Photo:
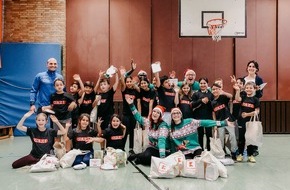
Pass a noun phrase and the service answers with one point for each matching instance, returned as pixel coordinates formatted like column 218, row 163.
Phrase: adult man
column 189, row 78
column 43, row 86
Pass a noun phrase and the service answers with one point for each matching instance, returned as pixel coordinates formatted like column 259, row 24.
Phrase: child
column 166, row 95
column 76, row 90
column 114, row 133
column 221, row 112
column 128, row 88
column 62, row 103
column 249, row 107
column 42, row 138
column 184, row 100
column 147, row 97
column 88, row 99
column 83, row 137
column 106, row 107
column 201, row 103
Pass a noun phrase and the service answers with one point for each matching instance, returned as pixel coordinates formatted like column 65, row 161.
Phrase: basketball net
column 214, row 27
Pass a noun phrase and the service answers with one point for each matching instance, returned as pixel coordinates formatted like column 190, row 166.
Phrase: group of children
column 176, row 115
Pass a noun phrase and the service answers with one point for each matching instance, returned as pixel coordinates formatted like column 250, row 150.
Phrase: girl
column 166, row 96
column 42, row 138
column 88, row 99
column 128, row 88
column 147, row 97
column 249, row 107
column 62, row 103
column 201, row 103
column 184, row 100
column 83, row 137
column 158, row 133
column 184, row 136
column 114, row 133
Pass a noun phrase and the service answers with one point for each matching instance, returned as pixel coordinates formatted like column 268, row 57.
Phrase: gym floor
column 272, row 171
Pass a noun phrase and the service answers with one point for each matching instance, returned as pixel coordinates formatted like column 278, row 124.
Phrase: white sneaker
column 80, row 166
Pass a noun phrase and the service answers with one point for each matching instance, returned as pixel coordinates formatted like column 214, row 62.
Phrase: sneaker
column 240, row 158
column 131, row 157
column 251, row 159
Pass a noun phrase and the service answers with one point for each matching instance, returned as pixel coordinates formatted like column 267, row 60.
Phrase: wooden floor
column 272, row 171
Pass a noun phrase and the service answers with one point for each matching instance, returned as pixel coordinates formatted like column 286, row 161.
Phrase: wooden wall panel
column 162, row 34
column 130, row 34
column 87, row 38
column 283, row 50
column 260, row 44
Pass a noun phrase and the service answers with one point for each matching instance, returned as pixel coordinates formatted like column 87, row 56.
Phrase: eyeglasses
column 175, row 113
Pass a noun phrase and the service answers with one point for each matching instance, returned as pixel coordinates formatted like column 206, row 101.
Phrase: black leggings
column 144, row 158
column 208, row 133
column 194, row 154
column 130, row 122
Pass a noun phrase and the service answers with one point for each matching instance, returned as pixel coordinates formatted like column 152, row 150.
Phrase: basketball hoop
column 214, row 26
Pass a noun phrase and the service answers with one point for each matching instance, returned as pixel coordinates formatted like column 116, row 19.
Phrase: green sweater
column 158, row 135
column 185, row 137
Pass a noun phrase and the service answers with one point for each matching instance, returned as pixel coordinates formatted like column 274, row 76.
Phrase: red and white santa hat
column 175, row 110
column 159, row 108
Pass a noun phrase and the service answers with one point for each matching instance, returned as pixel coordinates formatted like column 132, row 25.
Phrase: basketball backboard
column 194, row 14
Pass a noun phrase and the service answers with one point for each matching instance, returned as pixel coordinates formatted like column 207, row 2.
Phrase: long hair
column 117, row 116
column 181, row 94
column 152, row 124
column 78, row 129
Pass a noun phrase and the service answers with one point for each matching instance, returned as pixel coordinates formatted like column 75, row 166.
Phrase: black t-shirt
column 79, row 139
column 114, row 137
column 146, row 97
column 134, row 95
column 106, row 108
column 42, row 141
column 221, row 108
column 60, row 103
column 166, row 98
column 185, row 107
column 202, row 110
column 87, row 105
column 248, row 104
column 237, row 106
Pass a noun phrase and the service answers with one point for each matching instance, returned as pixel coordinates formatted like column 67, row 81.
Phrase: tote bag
column 138, row 138
column 254, row 131
column 216, row 147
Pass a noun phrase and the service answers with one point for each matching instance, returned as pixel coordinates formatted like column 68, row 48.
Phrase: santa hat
column 175, row 110
column 159, row 108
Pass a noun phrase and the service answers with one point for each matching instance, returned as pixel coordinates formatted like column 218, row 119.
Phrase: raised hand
column 129, row 99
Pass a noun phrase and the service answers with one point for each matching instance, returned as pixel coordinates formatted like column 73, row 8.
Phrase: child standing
column 83, row 137
column 114, row 133
column 249, row 107
column 62, row 103
column 221, row 112
column 184, row 100
column 42, row 138
column 76, row 90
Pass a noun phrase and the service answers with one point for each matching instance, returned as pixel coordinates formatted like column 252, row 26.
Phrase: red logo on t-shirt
column 248, row 105
column 82, row 139
column 116, row 138
column 41, row 141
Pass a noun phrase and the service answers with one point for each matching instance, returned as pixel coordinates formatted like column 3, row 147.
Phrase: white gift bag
column 189, row 169
column 138, row 139
column 216, row 147
column 254, row 132
column 163, row 168
column 68, row 159
column 211, row 172
column 45, row 164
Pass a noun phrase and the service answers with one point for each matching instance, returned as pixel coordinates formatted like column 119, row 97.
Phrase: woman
column 252, row 69
column 158, row 132
column 184, row 136
column 147, row 97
